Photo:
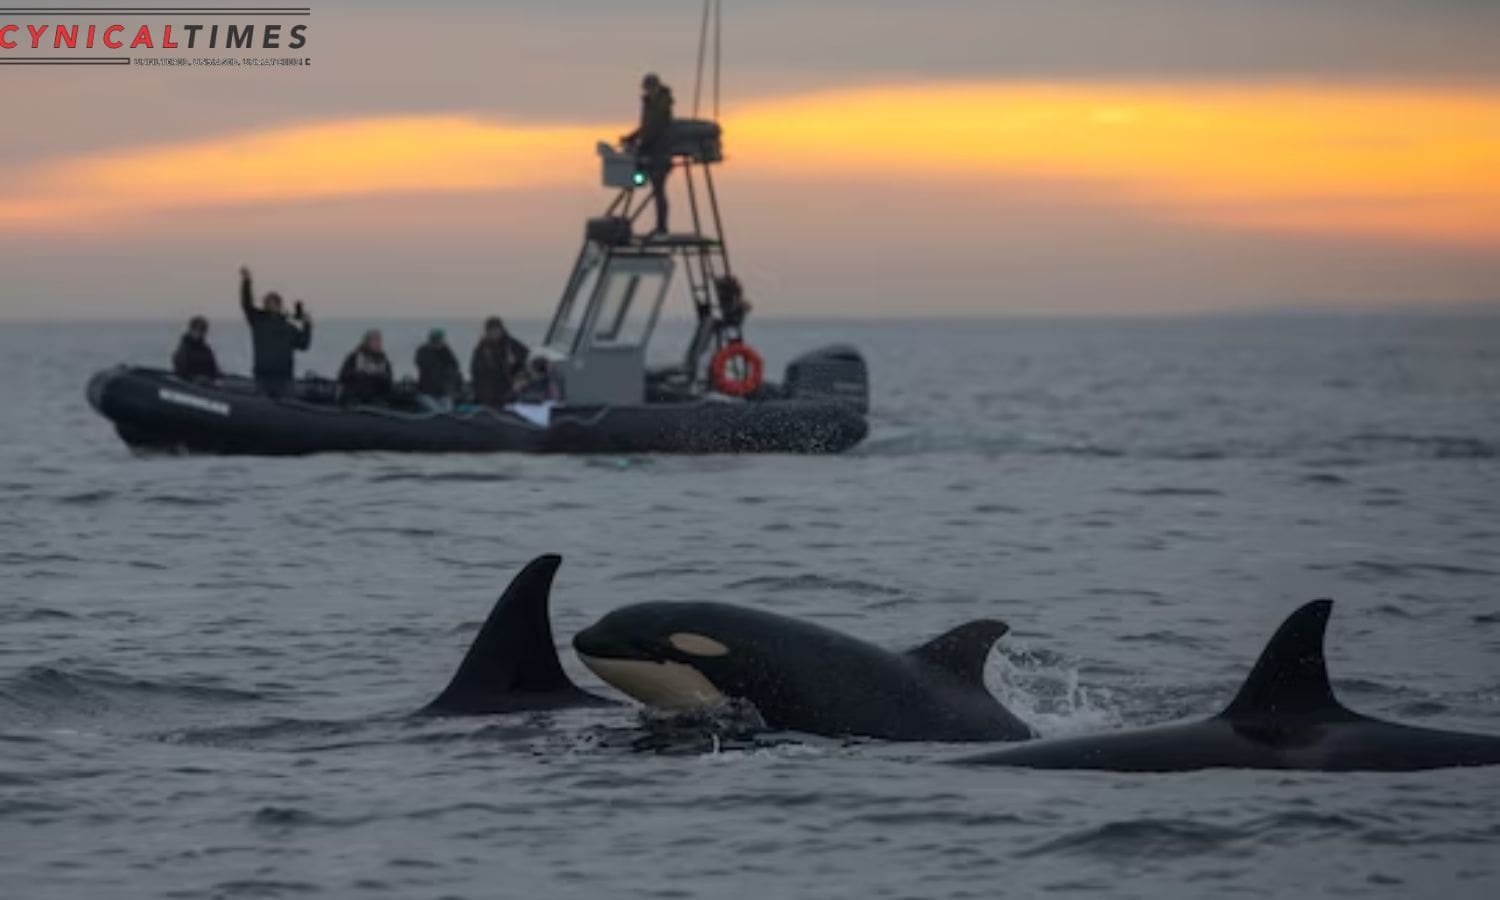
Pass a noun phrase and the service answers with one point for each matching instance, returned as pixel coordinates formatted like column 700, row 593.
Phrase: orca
column 512, row 666
column 1284, row 717
column 800, row 676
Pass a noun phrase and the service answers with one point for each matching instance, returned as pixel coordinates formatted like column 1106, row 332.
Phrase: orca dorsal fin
column 962, row 651
column 513, row 664
column 1291, row 676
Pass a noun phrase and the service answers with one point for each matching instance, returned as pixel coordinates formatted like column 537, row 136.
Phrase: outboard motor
column 836, row 372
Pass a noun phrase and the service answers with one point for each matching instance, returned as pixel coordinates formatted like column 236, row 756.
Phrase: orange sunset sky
column 970, row 157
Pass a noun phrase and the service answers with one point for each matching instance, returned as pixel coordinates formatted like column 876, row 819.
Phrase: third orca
column 1284, row 717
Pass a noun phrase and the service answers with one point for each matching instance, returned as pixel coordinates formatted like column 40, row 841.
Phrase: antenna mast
column 713, row 12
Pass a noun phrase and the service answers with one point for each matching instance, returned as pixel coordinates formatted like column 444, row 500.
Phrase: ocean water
column 207, row 665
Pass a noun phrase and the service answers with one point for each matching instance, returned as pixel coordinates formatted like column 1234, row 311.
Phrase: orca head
column 672, row 656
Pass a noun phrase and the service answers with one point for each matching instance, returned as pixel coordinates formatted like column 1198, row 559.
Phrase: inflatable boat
column 154, row 410
column 712, row 401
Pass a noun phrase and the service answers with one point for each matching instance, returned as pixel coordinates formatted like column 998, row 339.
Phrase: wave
column 290, row 818
column 53, row 690
column 86, row 498
column 460, row 477
column 925, row 442
column 1169, row 491
column 269, row 731
column 1169, row 638
column 17, row 558
column 184, row 500
column 1323, row 478
column 1163, row 839
column 397, row 530
column 813, row 582
column 1170, row 838
column 664, row 572
column 1370, row 570
column 260, row 888
column 1434, row 446
column 1346, row 451
column 12, row 616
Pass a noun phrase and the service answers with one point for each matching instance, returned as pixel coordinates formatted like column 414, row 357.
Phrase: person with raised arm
column 275, row 338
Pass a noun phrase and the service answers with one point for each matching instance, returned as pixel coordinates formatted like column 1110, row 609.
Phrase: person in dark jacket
column 438, row 376
column 652, row 142
column 498, row 361
column 365, row 376
column 194, row 359
column 275, row 337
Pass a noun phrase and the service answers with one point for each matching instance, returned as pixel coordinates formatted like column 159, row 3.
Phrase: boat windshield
column 627, row 309
column 563, row 334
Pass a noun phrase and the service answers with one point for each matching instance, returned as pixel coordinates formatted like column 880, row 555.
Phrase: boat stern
column 834, row 373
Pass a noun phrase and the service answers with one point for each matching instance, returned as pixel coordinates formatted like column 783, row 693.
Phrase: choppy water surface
column 206, row 664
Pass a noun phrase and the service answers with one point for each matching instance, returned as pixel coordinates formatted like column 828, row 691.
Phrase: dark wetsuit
column 438, row 374
column 495, row 368
column 194, row 359
column 275, row 339
column 653, row 146
column 365, row 377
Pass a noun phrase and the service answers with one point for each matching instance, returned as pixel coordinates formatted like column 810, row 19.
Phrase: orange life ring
column 754, row 370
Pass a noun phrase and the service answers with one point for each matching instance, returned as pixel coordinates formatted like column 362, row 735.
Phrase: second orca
column 800, row 676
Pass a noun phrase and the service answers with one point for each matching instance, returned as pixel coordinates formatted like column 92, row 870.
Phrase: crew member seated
column 194, row 358
column 498, row 362
column 365, row 376
column 438, row 376
column 275, row 338
column 541, row 384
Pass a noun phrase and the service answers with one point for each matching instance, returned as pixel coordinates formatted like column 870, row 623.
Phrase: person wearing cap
column 652, row 143
column 274, row 337
column 365, row 376
column 438, row 375
column 499, row 359
column 194, row 358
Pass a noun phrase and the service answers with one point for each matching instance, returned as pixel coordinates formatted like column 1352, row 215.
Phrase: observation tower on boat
column 613, row 297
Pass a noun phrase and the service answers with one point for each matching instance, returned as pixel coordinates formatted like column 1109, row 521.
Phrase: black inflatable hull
column 155, row 410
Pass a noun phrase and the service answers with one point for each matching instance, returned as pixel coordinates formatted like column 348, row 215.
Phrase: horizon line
column 1449, row 309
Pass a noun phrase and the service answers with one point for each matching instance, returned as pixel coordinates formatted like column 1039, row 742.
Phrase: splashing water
column 1044, row 691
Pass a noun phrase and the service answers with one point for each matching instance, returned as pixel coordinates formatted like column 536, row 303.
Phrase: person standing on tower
column 652, row 143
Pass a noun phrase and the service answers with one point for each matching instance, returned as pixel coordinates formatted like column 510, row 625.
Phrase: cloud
column 1413, row 164
column 388, row 155
column 534, row 60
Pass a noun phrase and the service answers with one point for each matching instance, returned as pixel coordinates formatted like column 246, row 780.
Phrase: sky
column 949, row 157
